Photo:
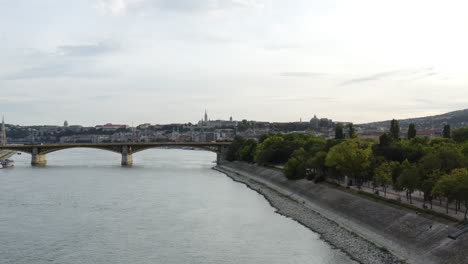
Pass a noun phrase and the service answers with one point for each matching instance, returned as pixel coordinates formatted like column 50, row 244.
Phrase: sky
column 162, row 61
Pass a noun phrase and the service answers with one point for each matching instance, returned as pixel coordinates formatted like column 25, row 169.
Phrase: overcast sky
column 159, row 61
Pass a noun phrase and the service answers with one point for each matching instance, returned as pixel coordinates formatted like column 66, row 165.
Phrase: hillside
column 455, row 119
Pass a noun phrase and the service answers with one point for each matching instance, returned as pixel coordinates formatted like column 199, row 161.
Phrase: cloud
column 400, row 75
column 65, row 61
column 301, row 74
column 85, row 50
column 58, row 70
column 197, row 5
column 117, row 7
column 279, row 47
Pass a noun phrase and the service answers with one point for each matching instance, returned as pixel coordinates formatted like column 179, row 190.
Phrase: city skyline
column 123, row 61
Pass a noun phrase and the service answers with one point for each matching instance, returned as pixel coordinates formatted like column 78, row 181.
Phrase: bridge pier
column 38, row 159
column 221, row 154
column 127, row 157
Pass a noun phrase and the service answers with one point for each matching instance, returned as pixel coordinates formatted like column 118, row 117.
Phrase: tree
column 444, row 158
column 395, row 129
column 409, row 179
column 247, row 152
column 411, row 131
column 427, row 185
column 446, row 132
column 462, row 191
column 351, row 157
column 383, row 176
column 460, row 135
column 295, row 168
column 446, row 187
column 339, row 134
column 233, row 150
column 385, row 139
column 277, row 148
column 317, row 164
column 351, row 131
column 268, row 150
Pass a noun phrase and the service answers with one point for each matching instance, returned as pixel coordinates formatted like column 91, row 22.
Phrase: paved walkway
column 417, row 200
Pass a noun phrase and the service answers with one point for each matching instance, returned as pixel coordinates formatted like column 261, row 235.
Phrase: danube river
column 170, row 207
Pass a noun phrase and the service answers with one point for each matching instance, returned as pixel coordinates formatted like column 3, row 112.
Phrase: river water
column 170, row 207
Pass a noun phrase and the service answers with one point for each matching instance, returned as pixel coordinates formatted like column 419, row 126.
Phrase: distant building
column 325, row 122
column 3, row 138
column 314, row 122
column 65, row 124
column 110, row 127
column 144, row 126
column 206, row 122
column 75, row 128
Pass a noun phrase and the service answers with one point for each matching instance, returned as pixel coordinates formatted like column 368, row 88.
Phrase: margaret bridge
column 38, row 152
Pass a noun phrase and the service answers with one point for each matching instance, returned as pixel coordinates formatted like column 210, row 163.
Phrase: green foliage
column 409, row 178
column 437, row 167
column 411, row 131
column 460, row 135
column 464, row 148
column 234, row 148
column 444, row 158
column 295, row 168
column 395, row 129
column 351, row 131
column 383, row 175
column 351, row 157
column 428, row 182
column 272, row 149
column 446, row 131
column 247, row 152
column 277, row 148
column 317, row 164
column 339, row 133
column 453, row 186
column 385, row 139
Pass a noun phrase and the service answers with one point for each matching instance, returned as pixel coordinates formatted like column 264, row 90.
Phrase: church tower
column 206, row 117
column 3, row 140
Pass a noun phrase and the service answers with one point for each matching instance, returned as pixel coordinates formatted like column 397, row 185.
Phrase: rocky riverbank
column 368, row 231
column 356, row 247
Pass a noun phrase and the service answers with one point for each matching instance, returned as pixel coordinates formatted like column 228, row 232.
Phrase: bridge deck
column 198, row 144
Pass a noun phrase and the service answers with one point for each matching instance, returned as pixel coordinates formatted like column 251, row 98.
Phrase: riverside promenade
column 417, row 200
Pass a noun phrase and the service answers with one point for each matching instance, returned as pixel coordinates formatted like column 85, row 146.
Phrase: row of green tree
column 437, row 167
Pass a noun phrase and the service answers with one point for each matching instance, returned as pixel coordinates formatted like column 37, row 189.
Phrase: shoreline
column 6, row 154
column 356, row 247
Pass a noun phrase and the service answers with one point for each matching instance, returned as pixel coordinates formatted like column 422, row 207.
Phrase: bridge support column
column 127, row 157
column 37, row 159
column 221, row 154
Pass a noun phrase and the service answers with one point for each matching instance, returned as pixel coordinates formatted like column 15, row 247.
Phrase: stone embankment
column 5, row 154
column 368, row 231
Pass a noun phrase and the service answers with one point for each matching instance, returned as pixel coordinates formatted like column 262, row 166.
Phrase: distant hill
column 455, row 119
